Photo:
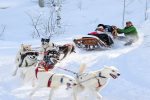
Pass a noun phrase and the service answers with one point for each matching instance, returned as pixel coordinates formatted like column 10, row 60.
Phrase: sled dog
column 95, row 81
column 25, row 57
column 53, row 81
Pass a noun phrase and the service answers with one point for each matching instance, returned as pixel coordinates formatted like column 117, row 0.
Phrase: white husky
column 53, row 81
column 25, row 57
column 96, row 80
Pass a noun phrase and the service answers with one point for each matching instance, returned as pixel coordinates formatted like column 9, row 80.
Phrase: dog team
column 42, row 62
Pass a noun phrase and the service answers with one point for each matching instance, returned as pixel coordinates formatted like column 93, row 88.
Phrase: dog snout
column 43, row 43
column 74, row 84
column 118, row 74
column 33, row 57
column 68, row 84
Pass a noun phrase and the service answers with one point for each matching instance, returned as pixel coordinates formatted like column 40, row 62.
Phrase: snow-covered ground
column 82, row 17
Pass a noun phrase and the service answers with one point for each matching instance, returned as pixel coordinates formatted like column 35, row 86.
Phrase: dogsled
column 97, row 39
column 92, row 42
column 104, row 35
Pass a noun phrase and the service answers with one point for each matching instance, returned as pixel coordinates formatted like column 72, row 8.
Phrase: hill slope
column 132, row 62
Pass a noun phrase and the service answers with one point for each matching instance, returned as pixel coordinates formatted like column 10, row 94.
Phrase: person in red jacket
column 101, row 34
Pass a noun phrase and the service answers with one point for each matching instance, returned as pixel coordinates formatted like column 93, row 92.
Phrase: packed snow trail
column 133, row 62
column 94, row 60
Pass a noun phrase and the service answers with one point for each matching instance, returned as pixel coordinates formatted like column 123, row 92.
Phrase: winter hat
column 101, row 25
column 128, row 22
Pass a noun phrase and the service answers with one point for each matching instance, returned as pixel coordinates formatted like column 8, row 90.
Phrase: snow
column 82, row 17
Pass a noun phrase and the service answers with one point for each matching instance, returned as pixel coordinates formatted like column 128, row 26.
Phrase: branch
column 3, row 30
column 35, row 24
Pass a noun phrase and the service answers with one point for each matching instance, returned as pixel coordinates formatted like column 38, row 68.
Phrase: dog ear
column 29, row 46
column 22, row 46
column 105, row 66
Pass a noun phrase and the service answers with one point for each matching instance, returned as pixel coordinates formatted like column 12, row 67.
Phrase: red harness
column 45, row 66
column 50, row 81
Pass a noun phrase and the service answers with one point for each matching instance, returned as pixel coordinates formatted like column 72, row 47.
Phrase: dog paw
column 31, row 94
column 22, row 76
column 14, row 74
column 99, row 97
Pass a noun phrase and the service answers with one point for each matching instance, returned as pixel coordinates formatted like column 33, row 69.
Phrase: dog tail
column 82, row 68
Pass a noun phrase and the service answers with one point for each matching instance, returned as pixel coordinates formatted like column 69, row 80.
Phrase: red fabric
column 49, row 83
column 48, row 66
column 43, row 64
column 36, row 71
column 92, row 33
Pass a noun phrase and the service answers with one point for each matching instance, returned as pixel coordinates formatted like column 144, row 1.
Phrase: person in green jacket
column 130, row 32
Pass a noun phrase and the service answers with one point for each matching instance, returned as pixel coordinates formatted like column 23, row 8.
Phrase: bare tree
column 51, row 23
column 2, row 30
column 41, row 3
column 80, row 4
column 124, row 10
column 146, row 9
column 35, row 23
column 44, row 26
column 40, row 28
column 55, row 7
column 126, row 3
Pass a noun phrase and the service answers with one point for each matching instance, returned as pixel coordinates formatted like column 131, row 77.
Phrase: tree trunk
column 146, row 8
column 41, row 3
column 124, row 10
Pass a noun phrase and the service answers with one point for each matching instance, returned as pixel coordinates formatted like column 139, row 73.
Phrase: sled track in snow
column 84, row 56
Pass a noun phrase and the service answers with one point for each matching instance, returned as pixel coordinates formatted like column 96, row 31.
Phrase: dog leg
column 15, row 71
column 51, row 93
column 33, row 82
column 34, row 90
column 74, row 94
column 22, row 74
column 96, row 94
column 99, row 96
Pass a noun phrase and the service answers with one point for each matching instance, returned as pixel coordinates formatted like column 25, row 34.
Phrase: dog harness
column 98, row 81
column 99, row 84
column 50, row 81
column 46, row 68
column 101, row 76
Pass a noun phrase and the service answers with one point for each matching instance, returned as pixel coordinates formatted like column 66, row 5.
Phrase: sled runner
column 90, row 43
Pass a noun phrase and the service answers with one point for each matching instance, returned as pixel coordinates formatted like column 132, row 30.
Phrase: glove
column 114, row 27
